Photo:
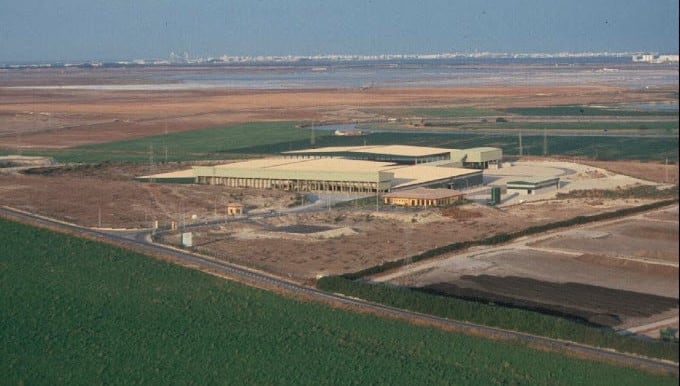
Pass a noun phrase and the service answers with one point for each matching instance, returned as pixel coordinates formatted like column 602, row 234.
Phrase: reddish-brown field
column 57, row 118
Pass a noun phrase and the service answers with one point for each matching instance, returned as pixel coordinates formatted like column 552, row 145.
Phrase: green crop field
column 210, row 143
column 267, row 138
column 596, row 147
column 74, row 311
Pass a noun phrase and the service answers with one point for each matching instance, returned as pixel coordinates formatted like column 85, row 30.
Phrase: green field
column 210, row 143
column 270, row 138
column 79, row 312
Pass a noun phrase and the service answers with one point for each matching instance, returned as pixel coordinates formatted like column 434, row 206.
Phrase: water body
column 385, row 74
column 651, row 106
column 496, row 72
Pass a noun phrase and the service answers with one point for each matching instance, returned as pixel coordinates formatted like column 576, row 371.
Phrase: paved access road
column 140, row 241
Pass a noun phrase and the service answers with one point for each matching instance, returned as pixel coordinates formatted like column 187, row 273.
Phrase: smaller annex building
column 533, row 185
column 423, row 197
column 478, row 157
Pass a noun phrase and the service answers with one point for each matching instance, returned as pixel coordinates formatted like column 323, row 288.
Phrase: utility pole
column 312, row 140
column 165, row 146
column 152, row 169
column 545, row 141
column 377, row 189
column 19, row 141
column 521, row 151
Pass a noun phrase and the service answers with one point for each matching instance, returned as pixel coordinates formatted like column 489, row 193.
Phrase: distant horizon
column 341, row 57
column 86, row 30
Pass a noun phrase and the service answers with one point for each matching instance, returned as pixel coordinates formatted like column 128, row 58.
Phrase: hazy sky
column 33, row 30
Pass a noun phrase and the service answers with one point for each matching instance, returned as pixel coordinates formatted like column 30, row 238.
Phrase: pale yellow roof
column 260, row 163
column 405, row 150
column 419, row 174
column 314, row 164
column 189, row 173
column 335, row 164
column 329, row 149
column 396, row 150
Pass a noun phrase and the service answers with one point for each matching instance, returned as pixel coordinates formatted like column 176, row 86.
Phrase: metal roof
column 393, row 150
column 335, row 169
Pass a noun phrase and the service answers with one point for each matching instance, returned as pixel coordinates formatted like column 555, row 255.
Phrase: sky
column 71, row 30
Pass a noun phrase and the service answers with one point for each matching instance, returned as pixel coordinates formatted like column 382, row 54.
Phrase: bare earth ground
column 623, row 273
column 364, row 238
column 57, row 118
column 655, row 172
column 107, row 196
column 359, row 237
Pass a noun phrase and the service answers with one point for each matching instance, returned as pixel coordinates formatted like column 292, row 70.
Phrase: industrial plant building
column 333, row 175
column 352, row 170
column 356, row 169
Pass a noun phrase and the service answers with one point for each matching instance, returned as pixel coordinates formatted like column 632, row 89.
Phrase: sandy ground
column 57, row 118
column 107, row 196
column 631, row 258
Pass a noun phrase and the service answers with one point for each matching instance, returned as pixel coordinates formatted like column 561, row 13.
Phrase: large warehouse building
column 478, row 157
column 357, row 169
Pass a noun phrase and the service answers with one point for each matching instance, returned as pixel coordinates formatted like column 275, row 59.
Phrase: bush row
column 642, row 191
column 491, row 315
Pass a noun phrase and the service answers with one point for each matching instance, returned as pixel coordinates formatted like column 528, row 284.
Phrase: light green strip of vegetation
column 211, row 143
column 255, row 139
column 576, row 110
column 79, row 312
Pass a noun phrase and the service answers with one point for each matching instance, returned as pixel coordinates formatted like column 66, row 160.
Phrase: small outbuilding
column 534, row 185
column 423, row 197
column 234, row 209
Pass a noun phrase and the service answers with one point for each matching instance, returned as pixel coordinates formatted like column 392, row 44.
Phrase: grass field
column 79, row 312
column 269, row 138
column 210, row 143
column 600, row 147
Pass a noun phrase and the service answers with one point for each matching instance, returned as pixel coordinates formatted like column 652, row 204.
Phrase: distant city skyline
column 79, row 30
